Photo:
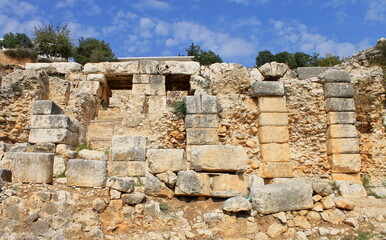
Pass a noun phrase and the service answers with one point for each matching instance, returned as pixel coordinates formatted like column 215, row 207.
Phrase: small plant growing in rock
column 82, row 146
column 164, row 208
column 180, row 107
column 139, row 182
column 61, row 175
column 366, row 180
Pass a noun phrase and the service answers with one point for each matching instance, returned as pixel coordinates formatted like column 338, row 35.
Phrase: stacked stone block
column 273, row 130
column 342, row 142
column 127, row 156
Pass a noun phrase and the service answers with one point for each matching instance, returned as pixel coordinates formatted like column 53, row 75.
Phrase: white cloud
column 376, row 11
column 249, row 22
column 154, row 4
column 65, row 3
column 79, row 30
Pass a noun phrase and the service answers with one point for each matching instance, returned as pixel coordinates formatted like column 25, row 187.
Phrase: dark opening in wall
column 120, row 82
column 177, row 82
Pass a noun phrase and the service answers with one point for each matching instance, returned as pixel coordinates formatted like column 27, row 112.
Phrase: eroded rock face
column 237, row 204
column 273, row 71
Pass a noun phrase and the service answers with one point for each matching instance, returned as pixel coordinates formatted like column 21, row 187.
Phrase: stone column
column 273, row 130
column 342, row 141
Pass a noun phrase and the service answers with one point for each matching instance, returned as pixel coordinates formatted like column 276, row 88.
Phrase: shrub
column 21, row 53
column 180, row 107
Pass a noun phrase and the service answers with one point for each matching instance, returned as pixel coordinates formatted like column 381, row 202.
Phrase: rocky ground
column 34, row 211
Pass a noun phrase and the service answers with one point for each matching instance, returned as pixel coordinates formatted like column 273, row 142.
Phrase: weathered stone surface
column 310, row 72
column 265, row 88
column 227, row 185
column 351, row 190
column 322, row 188
column 154, row 187
column 44, row 147
column 148, row 67
column 275, row 152
column 91, row 87
column 302, row 222
column 120, row 184
column 33, row 167
column 340, row 105
column 339, row 90
column 97, row 77
column 45, row 107
column 272, row 104
column 277, row 170
column 333, row 75
column 162, row 160
column 341, row 118
column 127, row 168
column 86, row 173
column 176, row 67
column 280, row 197
column 237, row 204
column 200, row 104
column 190, row 183
column 273, row 71
column 201, row 121
column 273, row 134
column 219, row 158
column 141, row 79
column 149, row 89
column 5, row 175
column 274, row 119
column 92, row 155
column 169, row 178
column 341, row 131
column 131, row 148
column 345, row 163
column 99, row 205
column 59, row 166
column 54, row 121
column 152, row 208
column 276, row 229
column 342, row 146
column 344, row 203
column 333, row 216
column 64, row 136
column 67, row 151
column 328, row 202
column 254, row 181
column 348, row 177
column 379, row 191
column 201, row 136
column 59, row 67
column 129, row 67
column 133, row 198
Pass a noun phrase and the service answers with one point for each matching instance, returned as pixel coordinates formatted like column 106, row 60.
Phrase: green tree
column 93, row 50
column 53, row 42
column 201, row 56
column 328, row 61
column 264, row 57
column 17, row 40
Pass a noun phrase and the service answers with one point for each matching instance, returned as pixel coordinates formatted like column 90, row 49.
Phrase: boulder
column 255, row 182
column 45, row 107
column 333, row 75
column 190, row 183
column 86, row 173
column 162, row 160
column 90, row 87
column 273, row 71
column 237, row 204
column 120, row 184
column 322, row 188
column 168, row 177
column 133, row 198
column 33, row 167
column 344, row 203
column 378, row 191
column 92, row 155
column 154, row 187
column 351, row 189
column 265, row 88
column 280, row 197
column 152, row 208
column 334, row 216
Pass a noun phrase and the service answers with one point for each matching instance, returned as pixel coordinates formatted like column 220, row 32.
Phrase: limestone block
column 340, row 105
column 273, row 134
column 97, row 77
column 273, row 119
column 157, row 79
column 190, row 183
column 141, row 79
column 45, row 107
column 162, row 160
column 193, row 104
column 154, row 187
column 339, row 90
column 59, row 135
column 273, row 71
column 341, row 118
column 348, row 177
column 54, row 121
column 59, row 165
column 177, row 67
column 120, row 184
column 273, row 198
column 130, row 67
column 201, row 121
column 131, row 148
column 265, row 88
column 345, row 163
column 90, row 68
column 91, row 87
column 333, row 75
column 351, row 189
column 219, row 158
column 275, row 152
column 272, row 104
column 277, row 170
column 208, row 104
column 148, row 67
column 227, row 185
column 201, row 136
column 156, row 105
column 44, row 147
column 149, row 89
column 341, row 131
column 33, row 167
column 66, row 151
column 256, row 74
column 92, row 155
column 342, row 146
column 237, row 204
column 126, row 168
column 310, row 72
column 59, row 67
column 86, row 173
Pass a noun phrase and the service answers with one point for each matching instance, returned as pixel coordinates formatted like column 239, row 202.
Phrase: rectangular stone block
column 126, row 168
column 157, row 79
column 179, row 67
column 97, row 77
column 340, row 105
column 139, row 89
column 341, row 118
column 201, row 121
column 190, row 183
column 45, row 107
column 163, row 160
column 209, row 104
column 267, row 88
column 342, row 146
column 33, row 167
column 273, row 134
column 310, row 72
column 347, row 177
column 273, row 119
column 156, row 105
column 91, row 87
column 275, row 152
column 272, row 104
column 128, row 154
column 54, row 121
column 148, row 67
column 129, row 141
column 63, row 136
column 290, row 196
column 136, row 169
column 339, row 90
column 219, row 158
column 201, row 136
column 86, row 173
column 149, row 89
column 341, row 131
column 129, row 67
column 345, row 163
column 193, row 105
column 141, row 79
column 227, row 185
column 277, row 170
column 333, row 75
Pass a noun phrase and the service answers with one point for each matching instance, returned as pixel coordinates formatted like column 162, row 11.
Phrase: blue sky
column 235, row 29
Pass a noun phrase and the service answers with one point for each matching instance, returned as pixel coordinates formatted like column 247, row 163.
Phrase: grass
column 360, row 236
column 139, row 182
column 366, row 180
column 61, row 175
column 82, row 146
column 164, row 208
column 333, row 184
column 180, row 107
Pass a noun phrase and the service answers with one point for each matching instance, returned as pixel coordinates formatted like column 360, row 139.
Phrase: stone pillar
column 342, row 141
column 273, row 130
